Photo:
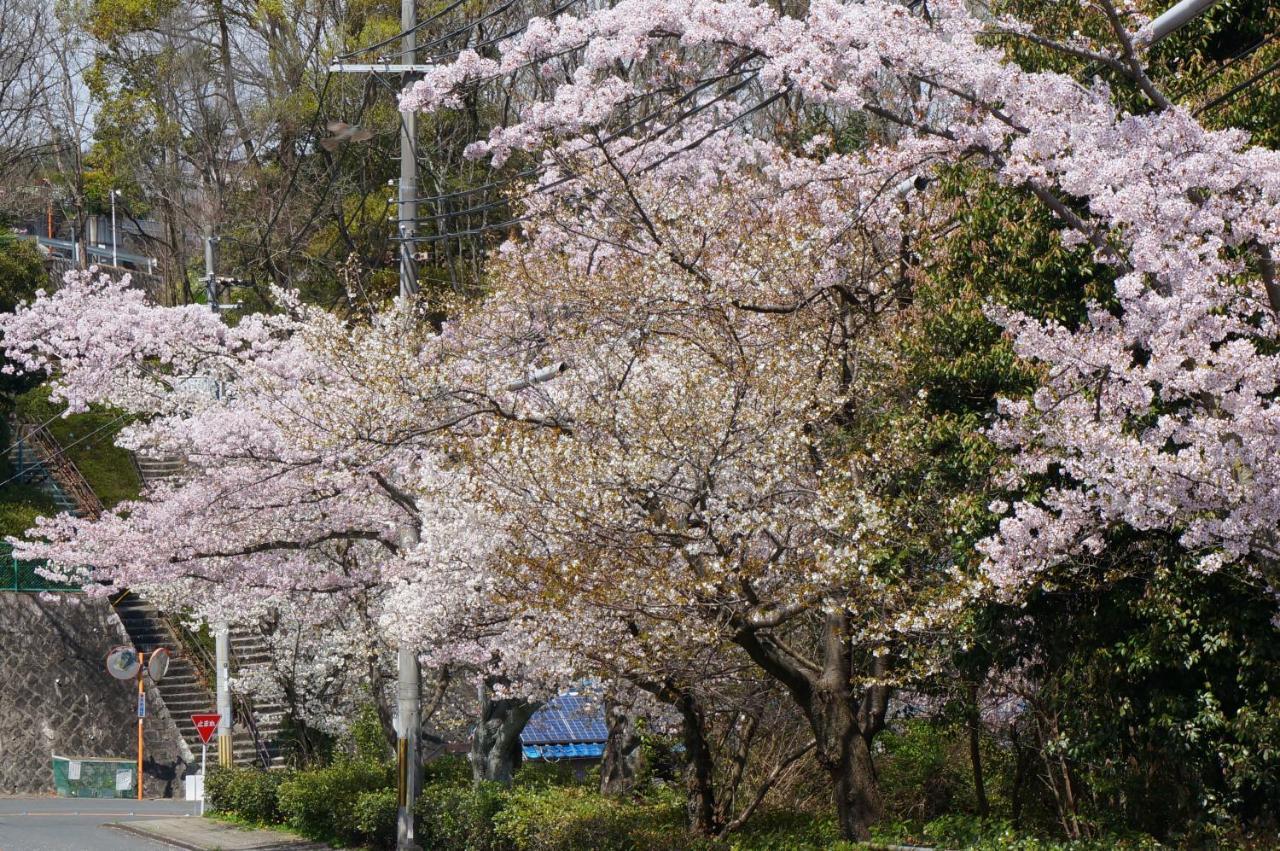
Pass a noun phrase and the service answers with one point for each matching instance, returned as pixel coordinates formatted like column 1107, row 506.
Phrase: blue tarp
column 594, row 750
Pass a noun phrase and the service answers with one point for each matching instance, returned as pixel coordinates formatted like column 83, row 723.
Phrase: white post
column 204, row 761
column 1175, row 17
column 408, row 704
column 222, row 643
column 210, row 270
column 115, row 260
column 407, row 208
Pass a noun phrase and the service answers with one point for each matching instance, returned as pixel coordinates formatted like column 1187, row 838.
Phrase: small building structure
column 570, row 726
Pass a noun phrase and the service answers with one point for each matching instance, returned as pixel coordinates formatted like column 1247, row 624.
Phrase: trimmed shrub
column 246, row 793
column 454, row 817
column 567, row 818
column 322, row 804
column 376, row 817
column 450, row 768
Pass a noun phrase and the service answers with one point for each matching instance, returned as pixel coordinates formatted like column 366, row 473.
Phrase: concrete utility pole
column 407, row 208
column 408, row 755
column 115, row 240
column 221, row 632
column 222, row 662
column 1177, row 15
column 408, row 684
column 407, row 192
column 211, row 270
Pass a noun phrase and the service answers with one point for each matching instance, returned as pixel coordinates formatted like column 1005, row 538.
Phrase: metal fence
column 94, row 777
column 19, row 575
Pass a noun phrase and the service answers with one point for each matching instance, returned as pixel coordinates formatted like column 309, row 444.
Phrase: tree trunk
column 495, row 745
column 700, row 782
column 975, row 754
column 824, row 692
column 843, row 753
column 623, row 755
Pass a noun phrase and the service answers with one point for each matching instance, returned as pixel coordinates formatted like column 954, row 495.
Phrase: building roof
column 568, row 719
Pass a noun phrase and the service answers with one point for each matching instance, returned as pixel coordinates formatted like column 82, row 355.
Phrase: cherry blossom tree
column 299, row 484
column 629, row 456
column 1185, row 215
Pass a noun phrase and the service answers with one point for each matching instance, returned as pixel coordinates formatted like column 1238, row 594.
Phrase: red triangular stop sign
column 206, row 725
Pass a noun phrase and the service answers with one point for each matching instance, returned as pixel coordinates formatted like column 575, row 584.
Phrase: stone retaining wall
column 57, row 697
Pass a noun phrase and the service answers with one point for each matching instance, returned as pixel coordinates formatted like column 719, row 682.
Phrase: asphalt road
column 76, row 824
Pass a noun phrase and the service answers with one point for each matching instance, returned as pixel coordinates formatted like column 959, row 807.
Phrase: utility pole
column 408, row 675
column 222, row 662
column 115, row 260
column 407, row 191
column 407, row 208
column 408, row 756
column 211, row 270
column 1176, row 16
column 221, row 632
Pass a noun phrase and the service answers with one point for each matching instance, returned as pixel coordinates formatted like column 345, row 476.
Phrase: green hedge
column 245, row 793
column 327, row 803
column 353, row 803
column 565, row 818
column 459, row 817
column 350, row 803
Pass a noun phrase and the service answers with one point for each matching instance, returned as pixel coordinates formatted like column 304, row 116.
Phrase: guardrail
column 63, row 470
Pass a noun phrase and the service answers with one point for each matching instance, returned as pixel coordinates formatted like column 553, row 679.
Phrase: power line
column 1232, row 93
column 398, row 36
column 71, row 445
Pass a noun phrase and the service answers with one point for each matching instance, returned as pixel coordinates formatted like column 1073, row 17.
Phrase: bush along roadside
column 352, row 803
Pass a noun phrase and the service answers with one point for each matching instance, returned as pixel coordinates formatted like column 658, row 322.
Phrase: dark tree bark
column 700, row 796
column 700, row 783
column 495, row 745
column 975, row 754
column 623, row 755
column 824, row 692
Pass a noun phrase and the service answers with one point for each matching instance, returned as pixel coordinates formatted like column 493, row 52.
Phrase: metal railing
column 206, row 672
column 61, row 468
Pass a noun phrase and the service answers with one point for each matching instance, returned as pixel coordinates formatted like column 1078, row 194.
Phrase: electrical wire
column 1235, row 91
column 389, row 39
column 1201, row 83
column 71, row 445
column 614, row 136
column 44, row 424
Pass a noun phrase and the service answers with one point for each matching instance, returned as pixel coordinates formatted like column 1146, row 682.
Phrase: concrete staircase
column 187, row 689
column 36, row 438
column 248, row 650
column 30, row 468
column 152, row 469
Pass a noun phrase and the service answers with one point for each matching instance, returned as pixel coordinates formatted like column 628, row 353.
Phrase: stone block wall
column 57, row 697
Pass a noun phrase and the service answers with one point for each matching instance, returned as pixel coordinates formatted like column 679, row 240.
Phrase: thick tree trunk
column 843, row 753
column 700, row 782
column 495, row 745
column 623, row 755
column 824, row 693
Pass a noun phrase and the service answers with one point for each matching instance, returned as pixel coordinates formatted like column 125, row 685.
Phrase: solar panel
column 569, row 718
